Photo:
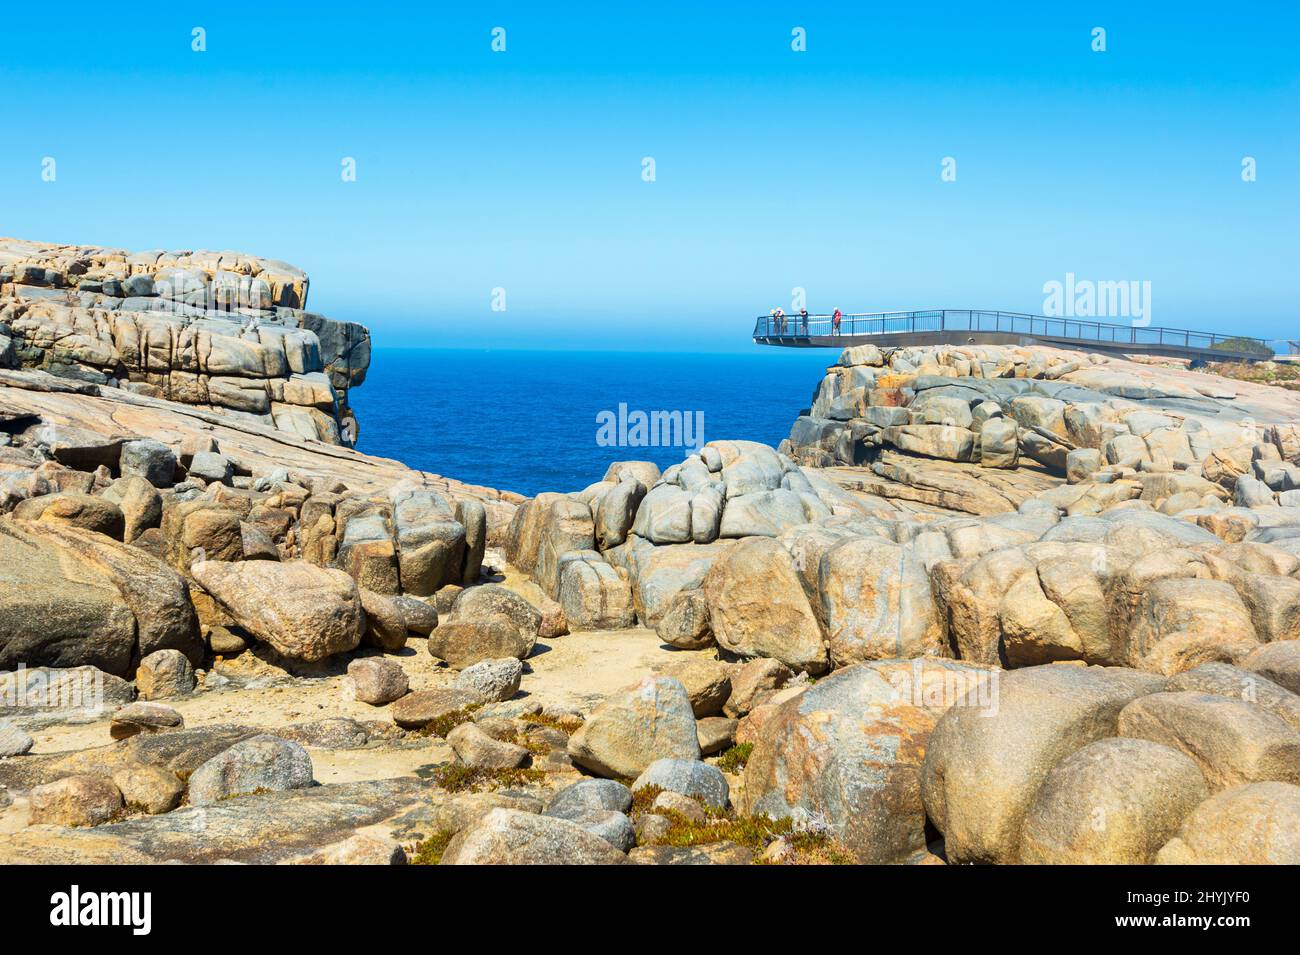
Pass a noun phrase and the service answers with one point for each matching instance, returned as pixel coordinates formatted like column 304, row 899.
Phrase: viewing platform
column 960, row 326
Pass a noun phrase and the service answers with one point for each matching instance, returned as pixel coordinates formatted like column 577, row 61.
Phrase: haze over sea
column 526, row 421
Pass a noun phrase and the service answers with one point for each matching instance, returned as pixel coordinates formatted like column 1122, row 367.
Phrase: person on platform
column 835, row 321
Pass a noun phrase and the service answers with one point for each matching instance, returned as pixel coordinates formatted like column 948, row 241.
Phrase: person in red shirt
column 835, row 322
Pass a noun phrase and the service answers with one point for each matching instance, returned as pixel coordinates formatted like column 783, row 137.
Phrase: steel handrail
column 797, row 327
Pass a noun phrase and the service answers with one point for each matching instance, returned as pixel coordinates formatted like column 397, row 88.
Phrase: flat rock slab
column 255, row 829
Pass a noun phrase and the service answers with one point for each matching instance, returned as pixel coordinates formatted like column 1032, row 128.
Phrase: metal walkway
column 960, row 326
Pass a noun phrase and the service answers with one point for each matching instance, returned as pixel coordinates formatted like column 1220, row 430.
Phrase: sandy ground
column 577, row 671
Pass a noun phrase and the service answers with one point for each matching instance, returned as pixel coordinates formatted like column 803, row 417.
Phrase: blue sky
column 774, row 169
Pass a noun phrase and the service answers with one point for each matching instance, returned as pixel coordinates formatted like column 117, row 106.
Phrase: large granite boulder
column 83, row 511
column 486, row 622
column 984, row 764
column 758, row 607
column 430, row 541
column 1255, row 824
column 846, row 755
column 1279, row 662
column 647, row 721
column 877, row 603
column 259, row 764
column 71, row 597
column 594, row 594
column 658, row 574
column 303, row 611
column 511, row 837
column 1114, row 802
column 1232, row 741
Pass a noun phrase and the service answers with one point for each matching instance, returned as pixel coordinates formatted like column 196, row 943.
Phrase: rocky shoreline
column 978, row 600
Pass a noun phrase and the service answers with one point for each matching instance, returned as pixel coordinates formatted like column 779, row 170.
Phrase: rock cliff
column 216, row 329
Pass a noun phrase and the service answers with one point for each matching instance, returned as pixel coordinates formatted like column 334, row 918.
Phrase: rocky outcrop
column 217, row 329
column 993, row 594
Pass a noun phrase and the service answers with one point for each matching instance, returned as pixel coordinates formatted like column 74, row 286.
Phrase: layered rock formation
column 217, row 329
column 111, row 502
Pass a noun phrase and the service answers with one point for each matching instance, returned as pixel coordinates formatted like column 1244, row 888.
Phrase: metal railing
column 795, row 328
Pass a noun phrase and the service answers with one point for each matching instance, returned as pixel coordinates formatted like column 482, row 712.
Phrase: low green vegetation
column 755, row 833
column 734, row 759
column 449, row 721
column 429, row 852
column 1239, row 344
column 459, row 778
column 1283, row 374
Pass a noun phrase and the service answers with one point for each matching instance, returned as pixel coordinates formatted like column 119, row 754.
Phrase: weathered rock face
column 1114, row 802
column 217, row 329
column 846, row 755
column 81, row 800
column 633, row 728
column 1118, row 430
column 70, row 597
column 877, row 603
column 594, row 594
column 254, row 765
column 486, row 623
column 1256, row 824
column 377, row 681
column 757, row 607
column 419, row 709
column 304, row 612
column 1232, row 741
column 510, row 837
column 984, row 764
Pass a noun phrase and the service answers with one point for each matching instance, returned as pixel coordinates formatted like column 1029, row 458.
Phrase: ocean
column 532, row 421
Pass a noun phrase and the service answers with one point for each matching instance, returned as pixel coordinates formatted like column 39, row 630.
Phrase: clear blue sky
column 775, row 169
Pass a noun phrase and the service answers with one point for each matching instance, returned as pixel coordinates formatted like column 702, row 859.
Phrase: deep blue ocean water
column 526, row 421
